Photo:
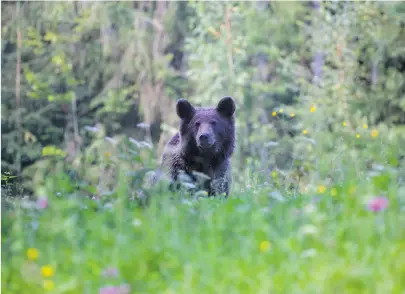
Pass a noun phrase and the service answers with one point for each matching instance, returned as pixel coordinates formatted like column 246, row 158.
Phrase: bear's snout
column 205, row 136
column 206, row 140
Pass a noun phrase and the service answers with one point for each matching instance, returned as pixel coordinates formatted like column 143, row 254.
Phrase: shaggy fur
column 204, row 144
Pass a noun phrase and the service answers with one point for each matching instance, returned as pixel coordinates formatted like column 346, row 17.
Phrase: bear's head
column 210, row 130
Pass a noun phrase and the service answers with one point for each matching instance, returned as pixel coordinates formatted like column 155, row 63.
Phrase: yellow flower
column 305, row 132
column 365, row 126
column 357, row 136
column 374, row 133
column 292, row 114
column 312, row 108
column 264, row 246
column 344, row 124
column 321, row 189
column 47, row 271
column 274, row 113
column 281, row 110
column 48, row 285
column 32, row 254
column 333, row 192
column 214, row 32
column 352, row 190
column 107, row 154
column 274, row 174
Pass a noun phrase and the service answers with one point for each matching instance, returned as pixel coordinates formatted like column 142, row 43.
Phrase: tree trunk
column 17, row 90
column 317, row 59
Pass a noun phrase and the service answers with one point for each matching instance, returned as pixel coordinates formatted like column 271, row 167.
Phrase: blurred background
column 88, row 87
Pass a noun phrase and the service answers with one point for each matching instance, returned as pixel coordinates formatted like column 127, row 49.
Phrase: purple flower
column 42, row 202
column 122, row 289
column 111, row 272
column 108, row 290
column 378, row 204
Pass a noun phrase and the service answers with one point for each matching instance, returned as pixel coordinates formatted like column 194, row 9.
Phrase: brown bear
column 204, row 144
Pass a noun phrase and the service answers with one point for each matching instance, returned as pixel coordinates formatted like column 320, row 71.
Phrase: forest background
column 313, row 81
column 88, row 94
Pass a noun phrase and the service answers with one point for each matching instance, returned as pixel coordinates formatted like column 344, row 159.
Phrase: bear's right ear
column 226, row 106
column 184, row 109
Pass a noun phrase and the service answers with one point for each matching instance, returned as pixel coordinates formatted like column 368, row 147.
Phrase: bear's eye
column 213, row 123
column 197, row 124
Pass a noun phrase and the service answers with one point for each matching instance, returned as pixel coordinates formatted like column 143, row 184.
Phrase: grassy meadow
column 336, row 239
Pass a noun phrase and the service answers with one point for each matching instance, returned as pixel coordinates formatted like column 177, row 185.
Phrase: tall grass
column 326, row 241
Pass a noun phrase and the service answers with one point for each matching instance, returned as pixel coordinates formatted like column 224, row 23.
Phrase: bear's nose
column 204, row 138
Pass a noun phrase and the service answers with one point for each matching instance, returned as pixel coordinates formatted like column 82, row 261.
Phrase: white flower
column 136, row 222
column 308, row 229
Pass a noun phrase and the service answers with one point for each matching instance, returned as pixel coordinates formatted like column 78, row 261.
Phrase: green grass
column 331, row 245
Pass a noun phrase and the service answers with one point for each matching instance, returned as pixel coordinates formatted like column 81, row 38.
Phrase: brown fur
column 204, row 144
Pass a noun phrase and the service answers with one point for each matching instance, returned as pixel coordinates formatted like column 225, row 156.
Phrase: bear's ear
column 184, row 109
column 226, row 106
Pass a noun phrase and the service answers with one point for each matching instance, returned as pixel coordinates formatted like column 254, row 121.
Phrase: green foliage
column 120, row 64
column 94, row 172
column 246, row 244
column 320, row 92
column 80, row 66
column 348, row 112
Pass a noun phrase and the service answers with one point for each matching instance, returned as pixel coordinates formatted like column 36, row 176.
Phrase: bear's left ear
column 226, row 106
column 184, row 109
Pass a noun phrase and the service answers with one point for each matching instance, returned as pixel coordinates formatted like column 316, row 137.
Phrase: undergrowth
column 331, row 240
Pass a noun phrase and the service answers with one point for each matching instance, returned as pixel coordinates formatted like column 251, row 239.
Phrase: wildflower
column 374, row 133
column 333, row 192
column 274, row 174
column 305, row 132
column 321, row 189
column 47, row 271
column 107, row 154
column 357, row 136
column 143, row 125
column 214, row 32
column 30, row 272
column 92, row 129
column 313, row 108
column 111, row 140
column 310, row 208
column 316, row 199
column 378, row 204
column 308, row 229
column 32, row 254
column 292, row 114
column 352, row 190
column 48, row 285
column 274, row 113
column 136, row 222
column 309, row 253
column 42, row 202
column 122, row 289
column 265, row 246
column 344, row 124
column 111, row 272
column 281, row 110
column 365, row 126
column 108, row 290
